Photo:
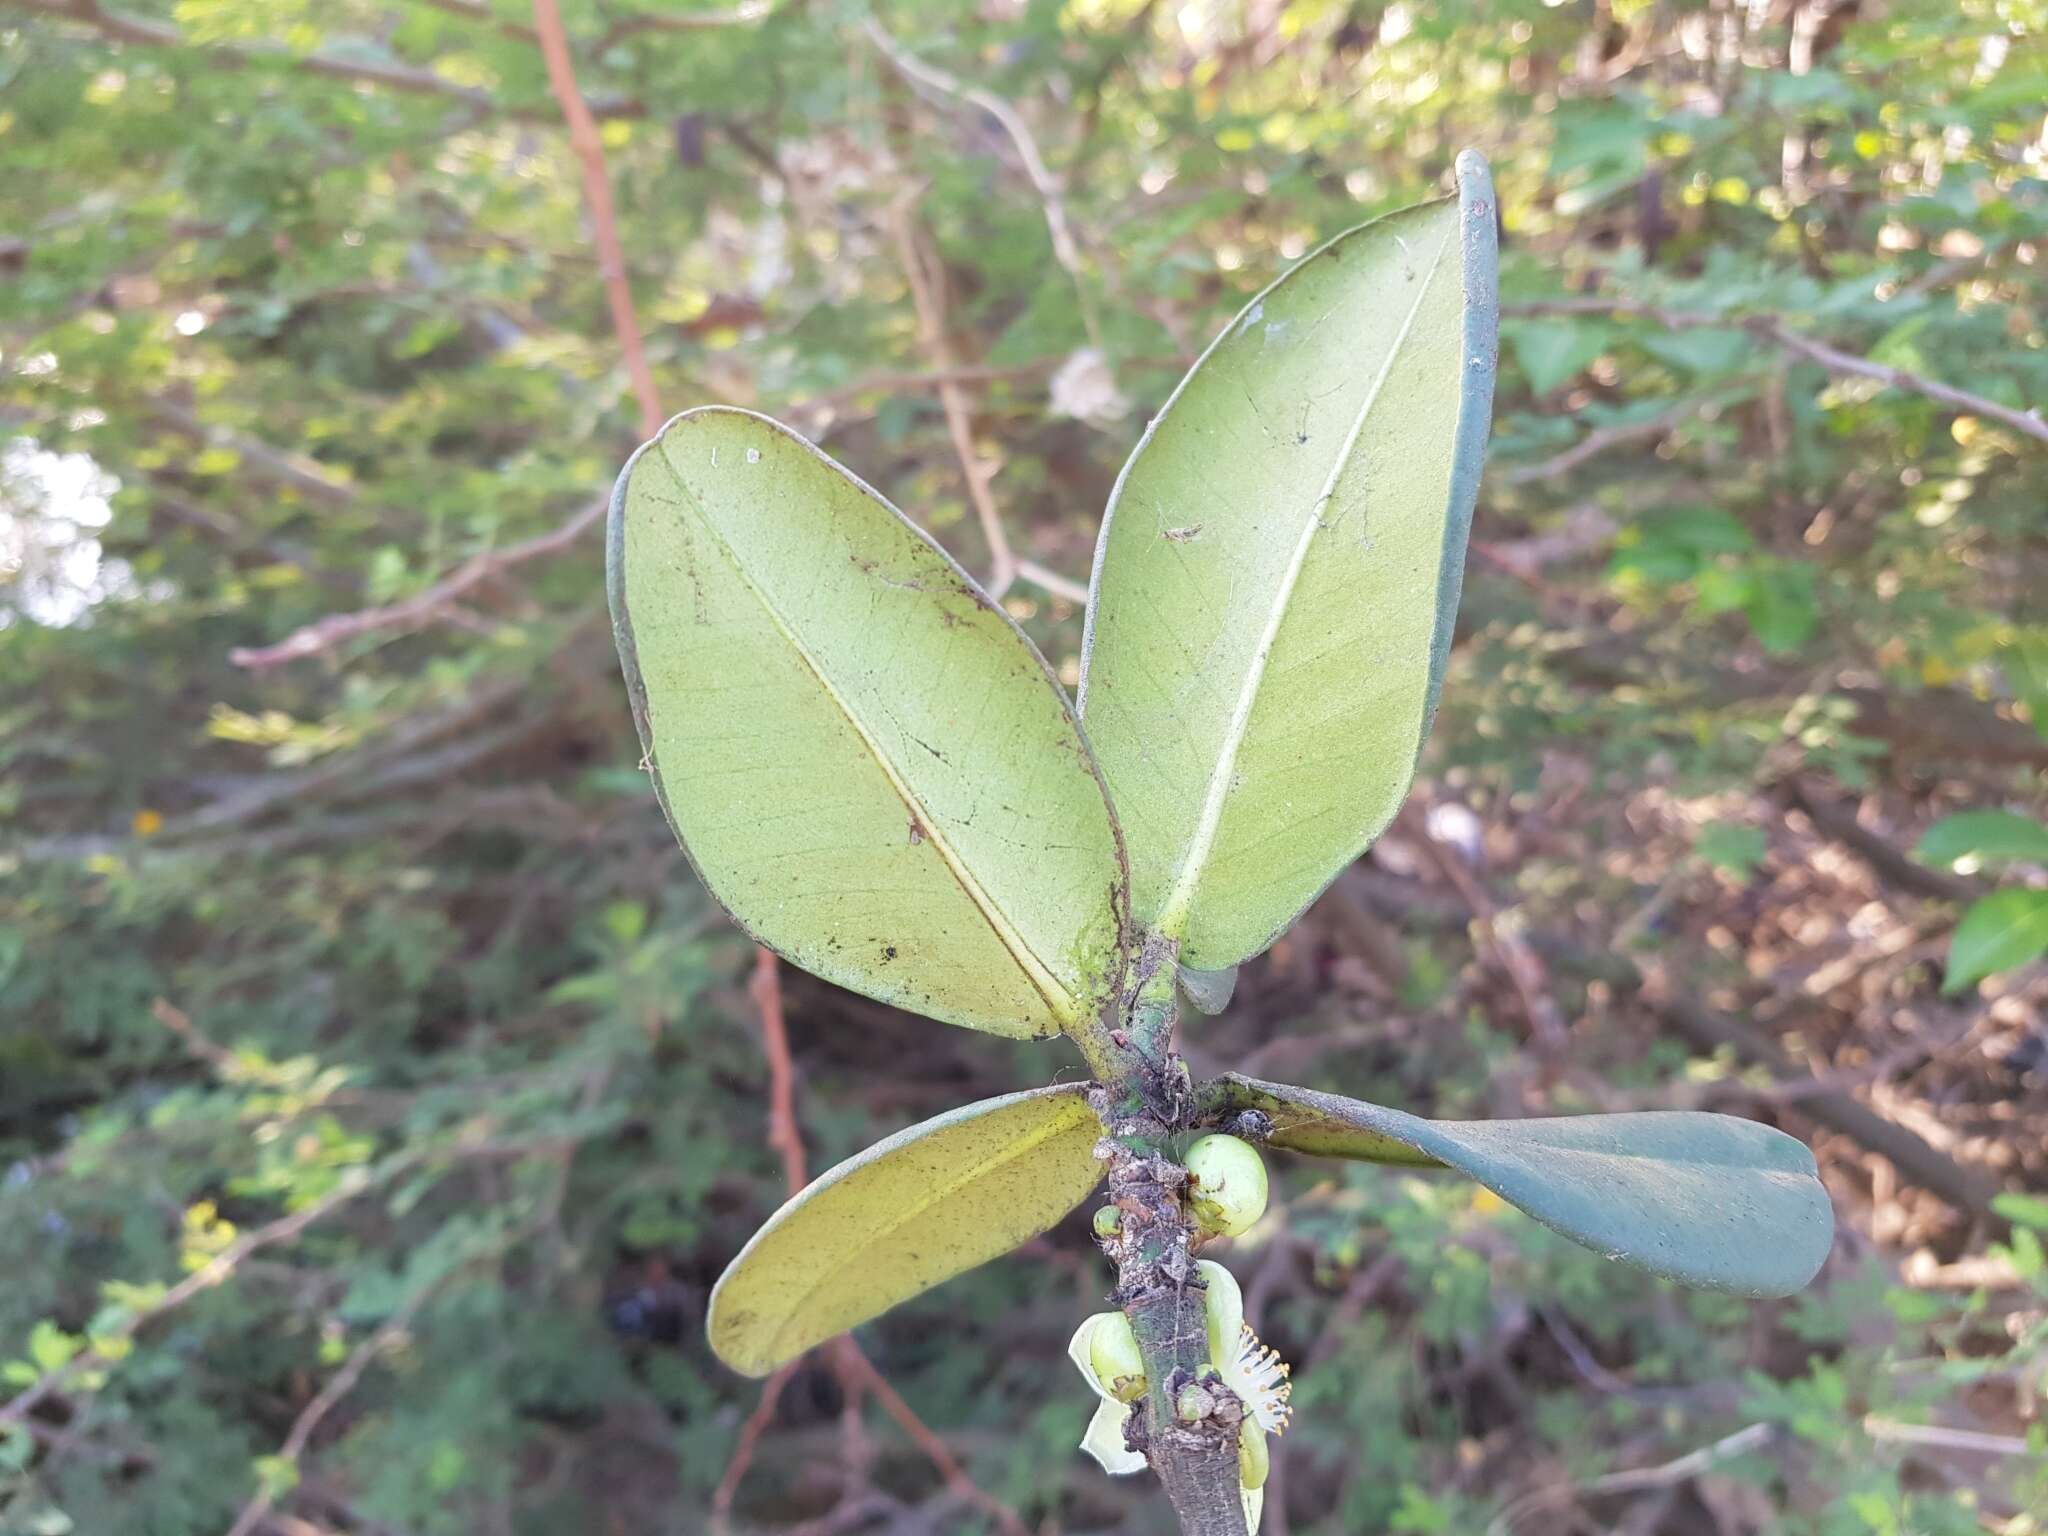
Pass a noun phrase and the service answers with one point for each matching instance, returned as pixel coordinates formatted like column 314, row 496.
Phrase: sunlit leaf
column 1279, row 571
column 1986, row 836
column 1709, row 1200
column 2004, row 930
column 867, row 762
column 923, row 1206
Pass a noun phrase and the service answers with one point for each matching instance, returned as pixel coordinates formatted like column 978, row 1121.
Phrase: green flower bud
column 1113, row 1352
column 1194, row 1403
column 1227, row 1185
column 1108, row 1222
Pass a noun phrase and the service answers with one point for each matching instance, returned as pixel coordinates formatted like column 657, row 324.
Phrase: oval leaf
column 923, row 1206
column 2004, row 930
column 1707, row 1200
column 1278, row 573
column 1986, row 836
column 869, row 765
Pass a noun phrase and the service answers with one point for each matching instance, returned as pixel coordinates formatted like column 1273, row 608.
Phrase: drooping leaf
column 1709, row 1200
column 867, row 762
column 925, row 1205
column 1986, row 836
column 1278, row 574
column 2005, row 929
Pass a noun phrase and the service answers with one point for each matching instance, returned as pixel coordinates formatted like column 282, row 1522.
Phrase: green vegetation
column 381, row 1095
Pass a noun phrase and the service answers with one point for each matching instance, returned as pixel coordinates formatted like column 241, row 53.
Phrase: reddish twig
column 743, row 1450
column 783, row 1135
column 597, row 193
column 856, row 1372
column 922, row 1436
column 921, row 271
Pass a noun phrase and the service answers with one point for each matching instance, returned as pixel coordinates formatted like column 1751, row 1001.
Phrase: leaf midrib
column 1180, row 894
column 1058, row 1001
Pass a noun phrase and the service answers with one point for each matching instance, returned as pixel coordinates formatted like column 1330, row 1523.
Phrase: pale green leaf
column 1986, row 837
column 867, row 762
column 2004, row 930
column 1554, row 352
column 1708, row 1200
column 1207, row 991
column 923, row 1206
column 1278, row 574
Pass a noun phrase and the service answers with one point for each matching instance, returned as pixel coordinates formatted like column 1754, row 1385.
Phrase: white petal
column 1225, row 1305
column 1105, row 1439
column 1078, row 1351
column 1254, row 1505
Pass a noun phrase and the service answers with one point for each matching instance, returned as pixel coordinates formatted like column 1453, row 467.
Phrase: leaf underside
column 867, row 762
column 1708, row 1200
column 1279, row 570
column 921, row 1207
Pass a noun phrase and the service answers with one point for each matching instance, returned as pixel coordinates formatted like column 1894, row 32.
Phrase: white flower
column 1105, row 1438
column 1256, row 1374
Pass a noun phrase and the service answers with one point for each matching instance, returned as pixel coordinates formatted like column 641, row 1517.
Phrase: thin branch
column 477, row 11
column 1051, row 192
column 1668, row 1475
column 930, row 305
column 1598, row 441
column 1052, row 581
column 597, row 193
column 765, row 988
column 685, row 21
column 1773, row 329
column 856, row 1371
column 122, row 27
column 422, row 608
column 208, row 1275
column 743, row 1449
column 279, row 466
column 935, row 1449
column 1523, row 967
column 338, row 1387
column 1973, row 1441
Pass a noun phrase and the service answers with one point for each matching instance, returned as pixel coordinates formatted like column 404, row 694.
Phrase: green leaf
column 1709, row 1200
column 1985, row 836
column 867, row 762
column 1781, row 608
column 1207, row 991
column 2005, row 929
column 1279, row 570
column 1703, row 351
column 925, row 1205
column 1735, row 849
column 1553, row 352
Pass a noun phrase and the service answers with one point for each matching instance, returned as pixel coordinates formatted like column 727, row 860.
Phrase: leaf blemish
column 1183, row 535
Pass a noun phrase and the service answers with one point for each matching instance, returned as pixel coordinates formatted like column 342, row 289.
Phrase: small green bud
column 1113, row 1352
column 1193, row 1404
column 1227, row 1185
column 1109, row 1223
column 1254, row 1461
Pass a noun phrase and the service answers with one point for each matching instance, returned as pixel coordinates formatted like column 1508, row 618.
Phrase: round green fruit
column 1226, row 1185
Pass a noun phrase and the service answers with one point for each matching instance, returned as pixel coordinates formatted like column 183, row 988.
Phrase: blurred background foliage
column 379, row 1094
